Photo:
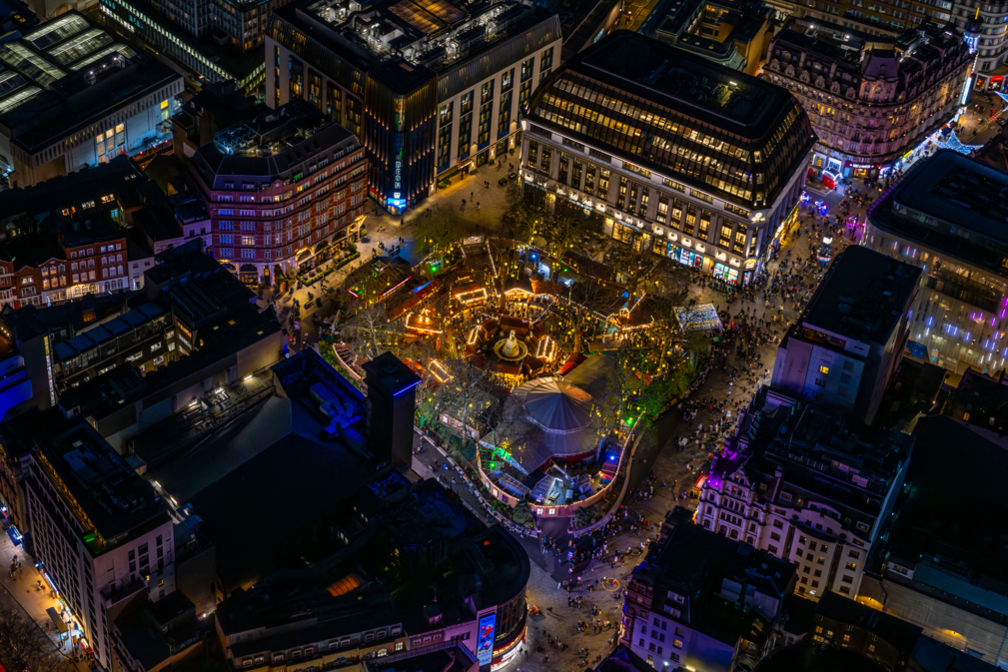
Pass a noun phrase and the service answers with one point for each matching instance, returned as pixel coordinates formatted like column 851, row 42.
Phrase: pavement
column 21, row 593
column 467, row 196
column 978, row 126
column 655, row 455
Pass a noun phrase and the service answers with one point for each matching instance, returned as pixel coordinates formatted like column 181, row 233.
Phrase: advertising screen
column 485, row 639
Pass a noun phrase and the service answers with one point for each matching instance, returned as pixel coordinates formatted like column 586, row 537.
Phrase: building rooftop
column 269, row 144
column 757, row 132
column 155, row 631
column 255, row 453
column 120, row 177
column 67, row 73
column 947, row 454
column 678, row 20
column 112, row 502
column 405, row 43
column 897, row 632
column 623, row 660
column 807, row 656
column 445, row 559
column 388, row 372
column 429, row 33
column 201, row 294
column 862, row 295
column 16, row 15
column 980, row 401
column 953, row 204
column 63, row 320
column 823, row 454
column 716, row 575
column 452, row 657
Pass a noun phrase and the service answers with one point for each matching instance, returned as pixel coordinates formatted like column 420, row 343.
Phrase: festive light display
column 698, row 318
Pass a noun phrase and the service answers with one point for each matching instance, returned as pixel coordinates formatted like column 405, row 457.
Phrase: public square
column 662, row 475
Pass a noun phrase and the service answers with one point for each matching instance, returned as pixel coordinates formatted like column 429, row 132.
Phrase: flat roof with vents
column 427, row 16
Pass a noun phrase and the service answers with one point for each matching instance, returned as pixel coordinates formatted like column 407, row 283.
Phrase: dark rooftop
column 806, row 656
column 54, row 98
column 389, row 38
column 862, row 295
column 951, row 203
column 152, row 632
column 853, row 465
column 443, row 554
column 623, row 660
column 980, row 400
column 897, row 632
column 671, row 76
column 707, row 567
column 930, row 522
column 117, row 502
column 390, row 374
column 201, row 293
column 121, row 177
column 455, row 657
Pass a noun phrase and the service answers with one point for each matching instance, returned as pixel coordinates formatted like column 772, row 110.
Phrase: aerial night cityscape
column 503, row 335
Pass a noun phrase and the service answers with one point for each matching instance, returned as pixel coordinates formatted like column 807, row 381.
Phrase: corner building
column 281, row 188
column 947, row 216
column 429, row 86
column 808, row 486
column 682, row 156
column 870, row 100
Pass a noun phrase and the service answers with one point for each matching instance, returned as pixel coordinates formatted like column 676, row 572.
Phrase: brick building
column 282, row 188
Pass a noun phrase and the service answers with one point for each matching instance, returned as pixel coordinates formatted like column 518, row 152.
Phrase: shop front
column 787, row 225
column 860, row 170
column 724, row 272
column 623, row 232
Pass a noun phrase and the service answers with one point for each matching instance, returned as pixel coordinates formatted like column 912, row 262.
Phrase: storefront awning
column 57, row 621
column 14, row 535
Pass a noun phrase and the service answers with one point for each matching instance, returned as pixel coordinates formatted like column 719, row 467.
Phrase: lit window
column 823, row 369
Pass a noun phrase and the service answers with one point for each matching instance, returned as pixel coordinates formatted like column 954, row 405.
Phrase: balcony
column 120, row 591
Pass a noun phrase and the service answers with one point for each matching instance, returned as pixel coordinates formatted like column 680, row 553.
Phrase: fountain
column 510, row 349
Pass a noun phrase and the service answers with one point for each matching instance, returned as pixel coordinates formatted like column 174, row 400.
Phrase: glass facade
column 658, row 123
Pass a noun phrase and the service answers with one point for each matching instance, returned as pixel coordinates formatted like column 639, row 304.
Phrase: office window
column 603, row 185
column 532, row 160
column 334, row 102
column 725, row 239
column 546, row 60
column 296, row 70
column 740, row 239
column 315, row 88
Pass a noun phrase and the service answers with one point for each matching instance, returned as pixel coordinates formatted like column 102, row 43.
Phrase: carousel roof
column 557, row 406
